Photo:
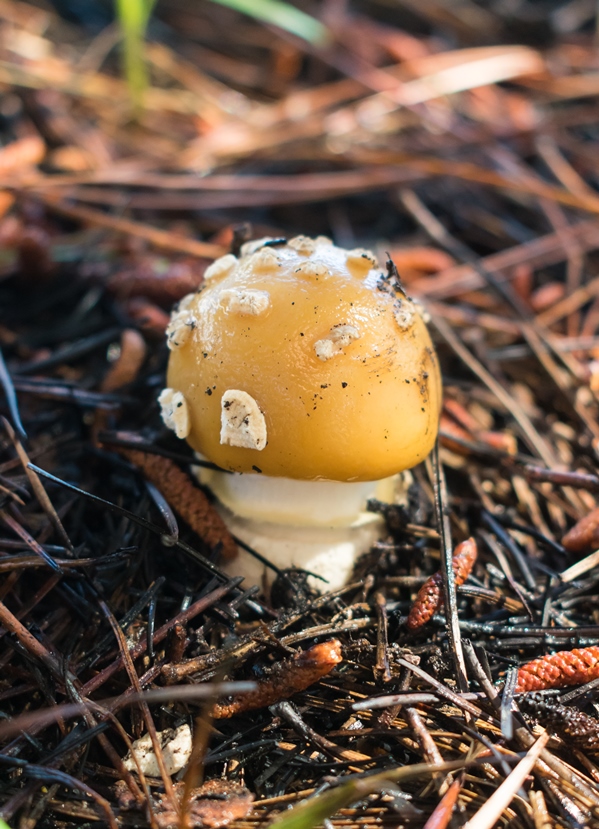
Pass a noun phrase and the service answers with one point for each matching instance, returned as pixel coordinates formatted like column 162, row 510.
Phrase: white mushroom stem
column 318, row 526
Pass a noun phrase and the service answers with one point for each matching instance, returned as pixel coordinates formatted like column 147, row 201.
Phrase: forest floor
column 460, row 138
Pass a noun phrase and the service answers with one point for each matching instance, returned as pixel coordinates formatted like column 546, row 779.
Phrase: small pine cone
column 185, row 498
column 147, row 277
column 430, row 598
column 556, row 670
column 574, row 727
column 584, row 535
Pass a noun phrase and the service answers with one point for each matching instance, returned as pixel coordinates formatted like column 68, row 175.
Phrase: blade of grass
column 133, row 16
column 315, row 810
column 284, row 16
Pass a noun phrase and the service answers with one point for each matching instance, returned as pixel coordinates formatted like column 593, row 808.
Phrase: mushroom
column 307, row 375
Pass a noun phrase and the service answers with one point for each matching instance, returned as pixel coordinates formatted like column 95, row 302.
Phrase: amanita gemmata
column 307, row 375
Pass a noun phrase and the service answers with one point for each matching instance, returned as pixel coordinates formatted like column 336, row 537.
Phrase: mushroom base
column 329, row 553
column 318, row 526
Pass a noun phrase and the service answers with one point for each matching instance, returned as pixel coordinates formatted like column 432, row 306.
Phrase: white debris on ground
column 176, row 749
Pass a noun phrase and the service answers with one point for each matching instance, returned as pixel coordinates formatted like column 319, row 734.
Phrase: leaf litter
column 474, row 166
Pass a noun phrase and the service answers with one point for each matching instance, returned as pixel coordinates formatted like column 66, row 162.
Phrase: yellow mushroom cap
column 303, row 361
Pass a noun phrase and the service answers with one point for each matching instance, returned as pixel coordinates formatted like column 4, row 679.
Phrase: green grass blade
column 133, row 16
column 148, row 8
column 284, row 16
column 313, row 811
